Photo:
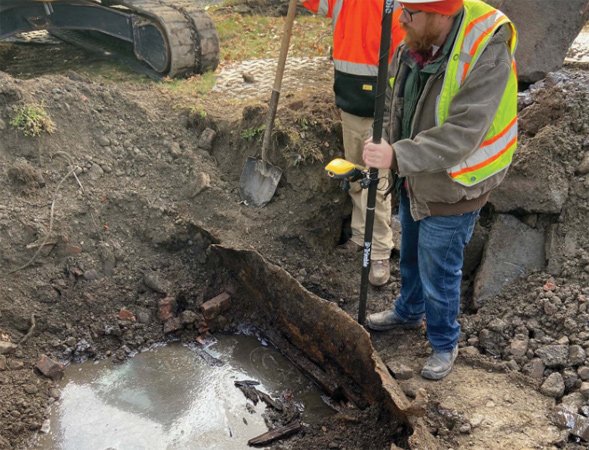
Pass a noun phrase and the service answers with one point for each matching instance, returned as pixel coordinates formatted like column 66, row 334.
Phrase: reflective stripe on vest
column 496, row 151
column 355, row 68
column 323, row 8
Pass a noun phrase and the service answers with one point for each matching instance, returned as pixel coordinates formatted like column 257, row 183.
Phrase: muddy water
column 171, row 398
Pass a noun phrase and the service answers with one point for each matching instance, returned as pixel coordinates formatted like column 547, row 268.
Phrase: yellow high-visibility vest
column 495, row 153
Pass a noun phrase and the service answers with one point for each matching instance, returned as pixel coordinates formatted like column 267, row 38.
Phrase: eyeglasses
column 408, row 14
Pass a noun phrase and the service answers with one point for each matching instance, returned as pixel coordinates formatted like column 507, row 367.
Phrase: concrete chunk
column 553, row 386
column 553, row 355
column 399, row 371
column 513, row 250
column 519, row 192
column 535, row 20
column 7, row 347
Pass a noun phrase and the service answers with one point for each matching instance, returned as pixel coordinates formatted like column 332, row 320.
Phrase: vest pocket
column 355, row 94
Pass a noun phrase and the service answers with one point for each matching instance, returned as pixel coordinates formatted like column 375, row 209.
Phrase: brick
column 50, row 368
column 215, row 306
column 166, row 308
column 125, row 314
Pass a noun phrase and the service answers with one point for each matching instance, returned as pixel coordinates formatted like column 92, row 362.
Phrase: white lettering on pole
column 366, row 257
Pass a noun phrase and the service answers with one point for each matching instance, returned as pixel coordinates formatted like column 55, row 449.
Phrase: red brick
column 50, row 368
column 215, row 306
column 125, row 314
column 166, row 308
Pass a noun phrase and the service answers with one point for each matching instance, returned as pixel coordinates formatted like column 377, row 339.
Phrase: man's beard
column 422, row 42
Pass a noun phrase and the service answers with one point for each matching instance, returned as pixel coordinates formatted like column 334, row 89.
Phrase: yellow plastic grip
column 341, row 168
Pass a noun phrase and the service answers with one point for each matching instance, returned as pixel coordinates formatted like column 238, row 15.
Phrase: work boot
column 380, row 272
column 387, row 320
column 439, row 364
column 349, row 247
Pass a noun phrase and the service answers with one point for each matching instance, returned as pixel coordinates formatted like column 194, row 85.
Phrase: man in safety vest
column 452, row 121
column 356, row 44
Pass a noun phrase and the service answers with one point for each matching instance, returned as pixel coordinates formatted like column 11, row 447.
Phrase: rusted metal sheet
column 335, row 345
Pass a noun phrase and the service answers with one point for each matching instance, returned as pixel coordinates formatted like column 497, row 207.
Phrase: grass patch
column 32, row 120
column 196, row 85
column 253, row 132
column 245, row 37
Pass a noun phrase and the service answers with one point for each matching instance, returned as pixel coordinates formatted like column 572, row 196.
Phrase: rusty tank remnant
column 173, row 37
column 321, row 339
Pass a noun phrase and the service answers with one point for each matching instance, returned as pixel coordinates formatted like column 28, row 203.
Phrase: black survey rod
column 379, row 104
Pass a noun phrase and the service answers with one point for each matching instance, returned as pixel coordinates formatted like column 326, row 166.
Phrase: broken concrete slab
column 563, row 242
column 520, row 192
column 536, row 19
column 513, row 250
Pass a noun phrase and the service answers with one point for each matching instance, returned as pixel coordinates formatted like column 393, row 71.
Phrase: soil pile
column 539, row 325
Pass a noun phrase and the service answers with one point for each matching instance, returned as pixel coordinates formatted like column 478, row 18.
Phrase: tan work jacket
column 424, row 159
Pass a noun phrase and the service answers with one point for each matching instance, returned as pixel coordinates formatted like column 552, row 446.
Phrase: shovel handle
column 286, row 34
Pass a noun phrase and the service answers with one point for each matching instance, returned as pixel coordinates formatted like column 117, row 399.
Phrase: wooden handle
column 286, row 34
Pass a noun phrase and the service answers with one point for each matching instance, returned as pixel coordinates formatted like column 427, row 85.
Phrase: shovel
column 259, row 178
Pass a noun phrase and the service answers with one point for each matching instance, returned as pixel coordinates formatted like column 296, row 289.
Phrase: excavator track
column 190, row 37
column 208, row 40
column 172, row 37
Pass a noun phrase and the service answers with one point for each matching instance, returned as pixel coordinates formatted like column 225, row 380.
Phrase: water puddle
column 171, row 398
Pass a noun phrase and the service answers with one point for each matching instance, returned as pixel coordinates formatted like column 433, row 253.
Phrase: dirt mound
column 539, row 325
column 112, row 192
column 82, row 228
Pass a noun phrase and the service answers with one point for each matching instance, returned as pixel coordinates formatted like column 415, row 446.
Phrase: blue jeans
column 432, row 254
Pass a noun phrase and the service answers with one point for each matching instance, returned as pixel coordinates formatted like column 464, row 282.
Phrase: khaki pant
column 355, row 131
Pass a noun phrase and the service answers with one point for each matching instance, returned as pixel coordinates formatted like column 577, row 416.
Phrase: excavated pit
column 328, row 348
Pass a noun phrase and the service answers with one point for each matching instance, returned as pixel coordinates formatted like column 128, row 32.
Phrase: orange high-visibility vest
column 356, row 32
column 357, row 26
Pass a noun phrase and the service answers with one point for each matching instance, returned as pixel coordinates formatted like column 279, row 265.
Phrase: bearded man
column 451, row 117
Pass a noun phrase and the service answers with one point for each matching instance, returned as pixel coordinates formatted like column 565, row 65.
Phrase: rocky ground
column 108, row 213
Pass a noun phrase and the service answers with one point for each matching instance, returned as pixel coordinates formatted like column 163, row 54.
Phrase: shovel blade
column 258, row 181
